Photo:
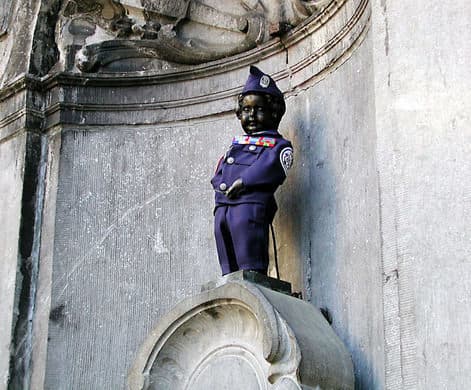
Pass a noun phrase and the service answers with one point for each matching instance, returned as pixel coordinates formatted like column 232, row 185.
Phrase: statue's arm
column 268, row 170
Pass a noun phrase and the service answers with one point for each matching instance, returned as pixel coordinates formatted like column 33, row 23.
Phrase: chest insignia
column 267, row 142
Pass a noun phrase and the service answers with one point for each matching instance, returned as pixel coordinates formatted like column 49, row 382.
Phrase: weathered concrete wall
column 16, row 38
column 331, row 208
column 15, row 43
column 133, row 236
column 11, row 187
column 422, row 88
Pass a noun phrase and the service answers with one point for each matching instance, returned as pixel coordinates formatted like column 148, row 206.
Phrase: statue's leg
column 224, row 245
column 249, row 231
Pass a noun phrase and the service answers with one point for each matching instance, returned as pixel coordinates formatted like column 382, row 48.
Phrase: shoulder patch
column 286, row 159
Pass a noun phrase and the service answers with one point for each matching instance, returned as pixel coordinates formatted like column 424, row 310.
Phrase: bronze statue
column 248, row 175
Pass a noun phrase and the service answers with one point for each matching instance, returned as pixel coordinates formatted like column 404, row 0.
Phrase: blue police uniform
column 261, row 160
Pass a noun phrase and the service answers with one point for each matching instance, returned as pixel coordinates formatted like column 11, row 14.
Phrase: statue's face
column 256, row 115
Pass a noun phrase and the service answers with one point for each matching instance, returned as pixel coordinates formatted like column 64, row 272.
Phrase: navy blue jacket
column 261, row 168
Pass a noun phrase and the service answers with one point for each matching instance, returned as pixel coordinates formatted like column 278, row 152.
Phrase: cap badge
column 264, row 81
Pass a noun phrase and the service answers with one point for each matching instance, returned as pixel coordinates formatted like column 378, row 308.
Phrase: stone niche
column 239, row 335
column 118, row 245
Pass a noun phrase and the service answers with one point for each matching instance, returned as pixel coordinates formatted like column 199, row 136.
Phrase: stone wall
column 12, row 165
column 331, row 210
column 16, row 161
column 422, row 101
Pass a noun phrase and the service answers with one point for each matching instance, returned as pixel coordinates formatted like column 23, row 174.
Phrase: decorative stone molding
column 98, row 33
column 242, row 336
column 5, row 11
column 298, row 59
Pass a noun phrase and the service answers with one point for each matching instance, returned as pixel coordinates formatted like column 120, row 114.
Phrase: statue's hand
column 235, row 189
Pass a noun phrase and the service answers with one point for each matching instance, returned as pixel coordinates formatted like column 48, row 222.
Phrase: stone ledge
column 252, row 277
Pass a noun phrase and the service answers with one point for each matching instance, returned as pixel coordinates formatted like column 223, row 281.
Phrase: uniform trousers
column 242, row 235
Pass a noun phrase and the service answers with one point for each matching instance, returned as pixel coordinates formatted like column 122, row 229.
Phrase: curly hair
column 278, row 104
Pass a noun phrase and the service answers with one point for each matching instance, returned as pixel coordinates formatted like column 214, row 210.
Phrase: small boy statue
column 248, row 175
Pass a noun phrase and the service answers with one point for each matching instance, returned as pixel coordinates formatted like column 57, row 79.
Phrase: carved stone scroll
column 5, row 11
column 97, row 33
column 167, row 46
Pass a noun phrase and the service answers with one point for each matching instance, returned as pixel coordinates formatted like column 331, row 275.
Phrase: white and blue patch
column 286, row 159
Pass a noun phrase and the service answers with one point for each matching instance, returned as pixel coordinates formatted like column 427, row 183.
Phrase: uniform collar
column 271, row 133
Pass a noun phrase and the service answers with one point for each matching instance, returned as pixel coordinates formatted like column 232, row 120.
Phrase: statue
column 248, row 175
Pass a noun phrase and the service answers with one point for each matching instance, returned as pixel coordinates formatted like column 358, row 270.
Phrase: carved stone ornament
column 242, row 336
column 97, row 33
column 5, row 11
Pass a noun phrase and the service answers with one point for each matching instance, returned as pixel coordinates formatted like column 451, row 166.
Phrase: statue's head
column 261, row 104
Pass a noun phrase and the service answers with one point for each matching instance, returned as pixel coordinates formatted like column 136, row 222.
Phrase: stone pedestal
column 241, row 335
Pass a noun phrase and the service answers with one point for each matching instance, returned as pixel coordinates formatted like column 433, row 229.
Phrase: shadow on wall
column 302, row 224
column 308, row 225
column 365, row 377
